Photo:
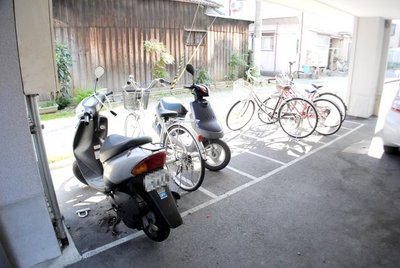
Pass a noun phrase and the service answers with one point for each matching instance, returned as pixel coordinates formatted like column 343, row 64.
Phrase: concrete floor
column 318, row 202
column 322, row 201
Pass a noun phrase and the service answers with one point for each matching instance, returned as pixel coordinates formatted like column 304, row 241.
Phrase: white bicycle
column 136, row 101
column 185, row 152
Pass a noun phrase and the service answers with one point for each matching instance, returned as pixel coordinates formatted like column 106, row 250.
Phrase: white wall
column 26, row 232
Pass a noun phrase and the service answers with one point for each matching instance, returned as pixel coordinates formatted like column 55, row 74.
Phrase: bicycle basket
column 241, row 88
column 134, row 98
column 283, row 82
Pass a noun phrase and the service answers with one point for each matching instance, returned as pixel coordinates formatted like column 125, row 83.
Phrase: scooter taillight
column 154, row 161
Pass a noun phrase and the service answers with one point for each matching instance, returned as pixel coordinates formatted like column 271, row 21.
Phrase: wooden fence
column 111, row 33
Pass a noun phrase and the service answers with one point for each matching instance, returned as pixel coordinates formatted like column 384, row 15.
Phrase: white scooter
column 130, row 171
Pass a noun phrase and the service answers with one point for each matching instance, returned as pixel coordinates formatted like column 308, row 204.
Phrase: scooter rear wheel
column 157, row 229
column 218, row 154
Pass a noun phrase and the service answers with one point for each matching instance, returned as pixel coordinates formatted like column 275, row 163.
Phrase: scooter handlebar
column 86, row 119
column 163, row 81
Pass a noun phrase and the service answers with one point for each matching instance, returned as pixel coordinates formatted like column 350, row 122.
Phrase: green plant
column 162, row 58
column 203, row 77
column 80, row 94
column 64, row 62
column 46, row 104
column 57, row 115
column 236, row 60
column 63, row 102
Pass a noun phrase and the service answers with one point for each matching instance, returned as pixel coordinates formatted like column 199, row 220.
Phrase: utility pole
column 257, row 37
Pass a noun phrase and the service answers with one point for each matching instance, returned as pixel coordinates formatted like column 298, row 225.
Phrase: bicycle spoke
column 240, row 114
column 298, row 118
column 186, row 163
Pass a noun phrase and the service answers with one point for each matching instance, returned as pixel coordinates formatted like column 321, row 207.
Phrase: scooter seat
column 115, row 144
column 166, row 113
column 173, row 104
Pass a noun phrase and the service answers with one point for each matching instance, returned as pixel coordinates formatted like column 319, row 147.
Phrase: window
column 392, row 29
column 267, row 41
column 194, row 38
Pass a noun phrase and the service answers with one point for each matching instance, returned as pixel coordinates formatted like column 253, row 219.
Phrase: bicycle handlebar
column 134, row 84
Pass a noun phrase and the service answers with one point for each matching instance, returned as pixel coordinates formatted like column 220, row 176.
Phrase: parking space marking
column 108, row 246
column 352, row 122
column 207, row 192
column 241, row 172
column 269, row 174
column 266, row 157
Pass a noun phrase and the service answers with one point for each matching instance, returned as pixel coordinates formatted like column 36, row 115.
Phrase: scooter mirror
column 190, row 69
column 99, row 71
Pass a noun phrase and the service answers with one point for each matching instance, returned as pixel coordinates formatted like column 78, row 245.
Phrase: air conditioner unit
column 236, row 5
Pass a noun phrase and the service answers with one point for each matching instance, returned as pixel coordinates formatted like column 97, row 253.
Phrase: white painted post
column 366, row 68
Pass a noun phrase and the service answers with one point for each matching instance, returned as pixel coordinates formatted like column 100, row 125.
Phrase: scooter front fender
column 164, row 201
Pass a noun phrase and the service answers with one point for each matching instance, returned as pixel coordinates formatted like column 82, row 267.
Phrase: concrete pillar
column 368, row 65
column 26, row 232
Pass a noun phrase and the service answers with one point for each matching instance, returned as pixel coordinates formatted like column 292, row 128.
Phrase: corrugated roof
column 207, row 3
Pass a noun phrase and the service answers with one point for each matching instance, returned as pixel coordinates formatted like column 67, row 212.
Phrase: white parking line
column 207, row 192
column 241, row 172
column 266, row 157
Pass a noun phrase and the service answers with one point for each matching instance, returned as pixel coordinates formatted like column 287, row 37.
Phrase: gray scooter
column 130, row 171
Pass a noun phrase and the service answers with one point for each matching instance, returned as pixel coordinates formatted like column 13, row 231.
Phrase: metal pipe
column 44, row 169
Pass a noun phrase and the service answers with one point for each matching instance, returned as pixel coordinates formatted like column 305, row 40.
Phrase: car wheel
column 390, row 149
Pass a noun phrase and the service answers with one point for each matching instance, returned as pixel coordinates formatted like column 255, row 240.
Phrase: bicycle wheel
column 240, row 114
column 337, row 100
column 329, row 117
column 268, row 111
column 298, row 117
column 132, row 126
column 184, row 159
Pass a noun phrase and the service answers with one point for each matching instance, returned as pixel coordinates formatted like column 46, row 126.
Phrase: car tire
column 390, row 149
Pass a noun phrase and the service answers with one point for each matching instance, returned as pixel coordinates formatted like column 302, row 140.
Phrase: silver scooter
column 130, row 171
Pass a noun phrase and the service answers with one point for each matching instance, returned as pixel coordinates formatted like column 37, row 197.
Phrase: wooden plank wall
column 111, row 33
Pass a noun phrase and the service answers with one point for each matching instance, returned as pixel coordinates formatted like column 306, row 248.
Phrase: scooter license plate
column 156, row 180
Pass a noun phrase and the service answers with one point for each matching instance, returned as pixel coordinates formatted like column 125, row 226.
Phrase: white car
column 391, row 128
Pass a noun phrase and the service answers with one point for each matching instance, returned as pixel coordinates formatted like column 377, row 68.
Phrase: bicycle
column 314, row 94
column 329, row 114
column 184, row 151
column 297, row 116
column 136, row 101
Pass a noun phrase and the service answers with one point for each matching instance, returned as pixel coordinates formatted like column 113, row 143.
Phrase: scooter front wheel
column 218, row 154
column 77, row 172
